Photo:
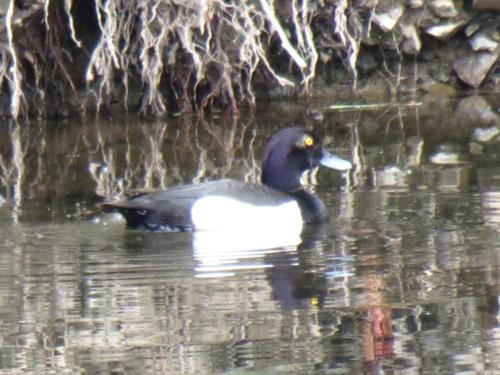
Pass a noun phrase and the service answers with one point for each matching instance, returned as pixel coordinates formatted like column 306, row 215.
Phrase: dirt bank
column 172, row 56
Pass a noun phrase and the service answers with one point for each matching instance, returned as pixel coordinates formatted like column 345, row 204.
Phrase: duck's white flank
column 222, row 213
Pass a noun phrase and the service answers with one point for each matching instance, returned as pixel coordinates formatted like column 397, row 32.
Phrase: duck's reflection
column 285, row 257
column 316, row 284
column 294, row 286
column 221, row 253
column 301, row 276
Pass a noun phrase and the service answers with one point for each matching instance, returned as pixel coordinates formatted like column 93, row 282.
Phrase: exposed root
column 349, row 41
column 15, row 77
column 163, row 56
column 224, row 43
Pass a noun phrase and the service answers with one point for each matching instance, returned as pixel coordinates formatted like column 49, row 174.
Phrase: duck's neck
column 313, row 209
column 281, row 174
column 282, row 180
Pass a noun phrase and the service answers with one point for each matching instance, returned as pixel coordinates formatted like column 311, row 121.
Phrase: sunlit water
column 404, row 279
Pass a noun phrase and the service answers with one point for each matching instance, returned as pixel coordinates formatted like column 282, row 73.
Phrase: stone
column 474, row 67
column 447, row 154
column 411, row 42
column 387, row 18
column 439, row 89
column 475, row 110
column 424, row 18
column 472, row 28
column 415, row 3
column 443, row 8
column 446, row 30
column 445, row 158
column 390, row 176
column 485, row 135
column 483, row 42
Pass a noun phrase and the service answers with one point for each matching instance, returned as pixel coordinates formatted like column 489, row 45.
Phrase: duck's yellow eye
column 309, row 141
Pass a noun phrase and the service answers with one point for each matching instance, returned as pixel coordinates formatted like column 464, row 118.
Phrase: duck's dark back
column 171, row 209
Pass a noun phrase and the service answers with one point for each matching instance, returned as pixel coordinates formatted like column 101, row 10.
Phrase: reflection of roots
column 12, row 170
column 208, row 151
column 160, row 56
column 40, row 163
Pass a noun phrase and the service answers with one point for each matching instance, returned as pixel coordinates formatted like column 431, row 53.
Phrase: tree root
column 160, row 56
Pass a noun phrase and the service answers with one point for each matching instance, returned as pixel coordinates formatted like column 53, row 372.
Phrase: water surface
column 403, row 279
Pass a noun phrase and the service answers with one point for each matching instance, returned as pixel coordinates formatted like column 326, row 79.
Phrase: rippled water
column 404, row 278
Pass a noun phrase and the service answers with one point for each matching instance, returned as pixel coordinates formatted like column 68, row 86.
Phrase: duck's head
column 292, row 151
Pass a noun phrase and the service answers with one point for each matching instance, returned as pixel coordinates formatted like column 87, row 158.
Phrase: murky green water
column 404, row 279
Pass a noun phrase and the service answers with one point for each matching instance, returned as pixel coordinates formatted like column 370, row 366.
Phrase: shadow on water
column 404, row 277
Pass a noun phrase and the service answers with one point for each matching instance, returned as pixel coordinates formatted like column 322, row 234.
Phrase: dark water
column 404, row 279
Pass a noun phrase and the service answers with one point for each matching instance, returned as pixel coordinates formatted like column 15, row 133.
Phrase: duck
column 279, row 201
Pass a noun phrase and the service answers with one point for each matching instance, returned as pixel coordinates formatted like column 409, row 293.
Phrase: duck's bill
column 332, row 161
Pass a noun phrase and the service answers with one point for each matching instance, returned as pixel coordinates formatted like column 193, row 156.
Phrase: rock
column 445, row 158
column 448, row 154
column 439, row 89
column 390, row 176
column 486, row 5
column 443, row 8
column 424, row 18
column 485, row 135
column 415, row 3
column 477, row 111
column 483, row 42
column 472, row 27
column 411, row 43
column 387, row 17
column 445, row 30
column 474, row 67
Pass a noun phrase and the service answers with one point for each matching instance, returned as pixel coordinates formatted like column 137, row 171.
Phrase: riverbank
column 62, row 59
